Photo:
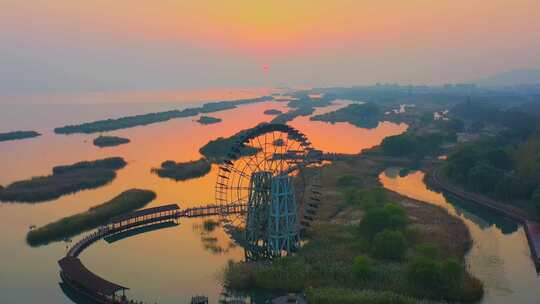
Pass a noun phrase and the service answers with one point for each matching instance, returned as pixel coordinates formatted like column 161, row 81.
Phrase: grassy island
column 365, row 115
column 292, row 114
column 150, row 118
column 369, row 245
column 110, row 141
column 272, row 112
column 217, row 150
column 64, row 180
column 207, row 120
column 95, row 216
column 303, row 105
column 183, row 171
column 17, row 135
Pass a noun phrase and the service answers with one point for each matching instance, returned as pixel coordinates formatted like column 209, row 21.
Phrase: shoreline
column 432, row 225
column 530, row 226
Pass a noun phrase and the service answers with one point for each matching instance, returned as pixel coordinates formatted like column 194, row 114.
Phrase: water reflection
column 212, row 238
column 500, row 253
column 169, row 265
column 343, row 137
column 412, row 183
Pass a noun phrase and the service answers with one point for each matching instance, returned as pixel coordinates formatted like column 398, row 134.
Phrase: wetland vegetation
column 372, row 245
column 63, row 180
column 126, row 201
column 292, row 114
column 18, row 135
column 367, row 115
column 150, row 118
column 302, row 105
column 109, row 141
column 219, row 149
column 503, row 161
column 183, row 171
column 272, row 112
column 416, row 145
column 207, row 120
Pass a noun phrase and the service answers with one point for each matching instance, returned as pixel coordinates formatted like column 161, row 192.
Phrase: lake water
column 500, row 256
column 165, row 266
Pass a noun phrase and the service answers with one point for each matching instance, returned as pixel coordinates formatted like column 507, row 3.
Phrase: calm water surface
column 165, row 266
column 500, row 256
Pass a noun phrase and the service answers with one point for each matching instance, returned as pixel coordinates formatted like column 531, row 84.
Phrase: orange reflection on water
column 413, row 186
column 175, row 260
column 343, row 137
column 166, row 265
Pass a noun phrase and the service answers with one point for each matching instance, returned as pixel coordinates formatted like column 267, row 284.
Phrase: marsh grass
column 95, row 216
column 207, row 120
column 218, row 150
column 17, row 135
column 365, row 115
column 64, row 180
column 324, row 267
column 109, row 141
column 183, row 171
column 150, row 118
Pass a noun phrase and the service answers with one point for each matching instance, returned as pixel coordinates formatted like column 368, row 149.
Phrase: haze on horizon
column 64, row 46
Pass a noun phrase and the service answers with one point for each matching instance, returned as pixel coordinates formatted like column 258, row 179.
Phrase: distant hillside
column 512, row 78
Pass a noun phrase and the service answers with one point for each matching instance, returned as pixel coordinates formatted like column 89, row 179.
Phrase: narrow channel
column 500, row 256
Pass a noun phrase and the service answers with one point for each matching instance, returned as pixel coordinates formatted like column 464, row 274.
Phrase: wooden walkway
column 151, row 216
column 124, row 224
column 71, row 266
column 212, row 210
column 86, row 241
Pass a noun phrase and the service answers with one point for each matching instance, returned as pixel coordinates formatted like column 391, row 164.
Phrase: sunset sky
column 123, row 45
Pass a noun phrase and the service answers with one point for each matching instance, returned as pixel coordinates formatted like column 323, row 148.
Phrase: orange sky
column 328, row 34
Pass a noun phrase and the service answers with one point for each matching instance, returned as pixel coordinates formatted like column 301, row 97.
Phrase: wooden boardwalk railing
column 212, row 210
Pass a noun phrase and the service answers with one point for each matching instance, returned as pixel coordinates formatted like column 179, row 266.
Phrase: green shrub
column 389, row 244
column 452, row 273
column 362, row 267
column 427, row 250
column 440, row 279
column 351, row 196
column 413, row 233
column 374, row 221
column 391, row 216
column 364, row 198
column 394, row 209
column 377, row 195
column 425, row 273
column 360, row 244
column 346, row 180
